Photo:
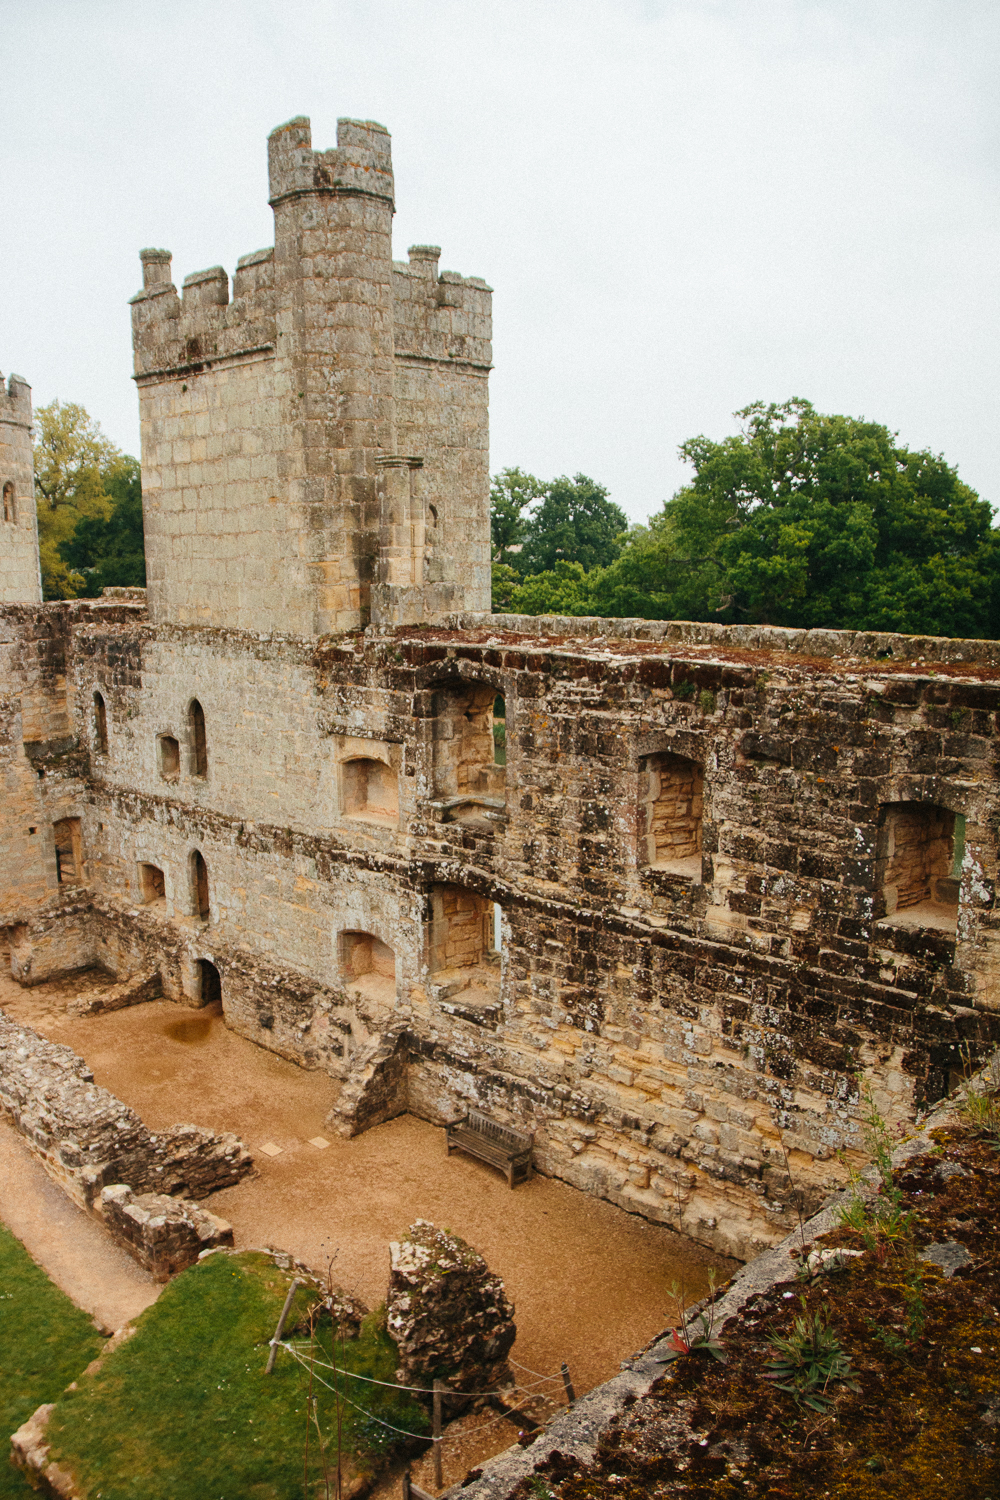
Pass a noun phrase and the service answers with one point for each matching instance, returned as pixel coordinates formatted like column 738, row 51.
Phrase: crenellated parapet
column 441, row 315
column 190, row 332
column 315, row 437
column 361, row 162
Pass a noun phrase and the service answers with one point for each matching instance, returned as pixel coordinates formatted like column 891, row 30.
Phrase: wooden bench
column 497, row 1144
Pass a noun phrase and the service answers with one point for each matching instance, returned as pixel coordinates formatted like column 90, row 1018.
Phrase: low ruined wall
column 87, row 1139
column 163, row 1234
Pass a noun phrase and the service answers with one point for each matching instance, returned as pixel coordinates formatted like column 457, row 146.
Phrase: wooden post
column 406, row 1484
column 296, row 1283
column 570, row 1396
column 438, row 1479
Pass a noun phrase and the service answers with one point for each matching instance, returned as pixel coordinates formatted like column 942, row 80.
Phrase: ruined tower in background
column 315, row 450
column 20, row 578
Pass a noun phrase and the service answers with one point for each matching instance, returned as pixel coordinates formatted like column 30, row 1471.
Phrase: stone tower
column 20, row 578
column 315, row 450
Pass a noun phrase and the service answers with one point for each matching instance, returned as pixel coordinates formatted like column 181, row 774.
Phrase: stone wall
column 86, row 1139
column 660, row 1026
column 663, row 938
column 20, row 577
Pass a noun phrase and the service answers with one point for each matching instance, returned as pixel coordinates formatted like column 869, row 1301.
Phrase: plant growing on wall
column 810, row 1359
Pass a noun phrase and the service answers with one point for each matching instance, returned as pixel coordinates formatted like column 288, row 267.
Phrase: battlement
column 440, row 316
column 15, row 400
column 315, row 427
column 185, row 332
column 361, row 162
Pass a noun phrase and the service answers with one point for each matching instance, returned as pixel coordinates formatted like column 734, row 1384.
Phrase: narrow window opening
column 209, row 984
column 69, row 854
column 369, row 965
column 464, row 944
column 199, row 744
column 671, row 799
column 169, row 754
column 200, row 902
column 470, row 754
column 499, row 731
column 919, row 858
column 100, row 724
column 152, row 885
column 9, row 507
column 370, row 791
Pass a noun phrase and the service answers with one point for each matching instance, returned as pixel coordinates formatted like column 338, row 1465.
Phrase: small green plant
column 810, row 1360
column 683, row 1340
column 684, row 690
column 706, row 701
column 883, row 1217
column 981, row 1103
column 902, row 1344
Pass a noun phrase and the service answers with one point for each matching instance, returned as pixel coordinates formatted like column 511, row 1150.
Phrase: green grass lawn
column 44, row 1344
column 184, row 1411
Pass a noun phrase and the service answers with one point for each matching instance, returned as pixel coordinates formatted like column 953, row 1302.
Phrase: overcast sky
column 682, row 207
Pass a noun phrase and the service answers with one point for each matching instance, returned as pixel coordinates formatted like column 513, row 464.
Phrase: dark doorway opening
column 209, row 983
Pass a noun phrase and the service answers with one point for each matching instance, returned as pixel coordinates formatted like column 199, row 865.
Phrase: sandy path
column 70, row 1247
column 591, row 1283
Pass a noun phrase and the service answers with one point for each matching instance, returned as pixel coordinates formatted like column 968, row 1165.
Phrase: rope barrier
column 532, row 1372
column 425, row 1390
column 364, row 1412
column 421, row 1436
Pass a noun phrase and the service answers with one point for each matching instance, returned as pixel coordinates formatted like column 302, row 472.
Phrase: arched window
column 9, row 507
column 100, row 724
column 199, row 887
column 199, row 745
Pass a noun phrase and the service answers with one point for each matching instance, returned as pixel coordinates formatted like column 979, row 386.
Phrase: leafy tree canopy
column 511, row 492
column 802, row 520
column 88, row 499
column 574, row 523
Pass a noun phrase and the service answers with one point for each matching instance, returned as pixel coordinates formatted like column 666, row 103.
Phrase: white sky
column 682, row 207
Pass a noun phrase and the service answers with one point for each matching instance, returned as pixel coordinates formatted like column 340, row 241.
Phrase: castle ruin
column 704, row 877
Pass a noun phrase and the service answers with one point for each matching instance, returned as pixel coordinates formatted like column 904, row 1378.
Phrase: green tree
column 576, row 523
column 110, row 552
column 511, row 492
column 562, row 590
column 80, row 476
column 806, row 520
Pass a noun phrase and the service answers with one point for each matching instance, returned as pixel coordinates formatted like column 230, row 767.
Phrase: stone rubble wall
column 659, row 1032
column 447, row 1312
column 163, row 1234
column 86, row 1139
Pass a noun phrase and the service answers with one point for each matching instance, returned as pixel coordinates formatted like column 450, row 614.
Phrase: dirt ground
column 71, row 1248
column 591, row 1286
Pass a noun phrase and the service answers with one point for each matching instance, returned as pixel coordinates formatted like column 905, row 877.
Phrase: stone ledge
column 577, row 1432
